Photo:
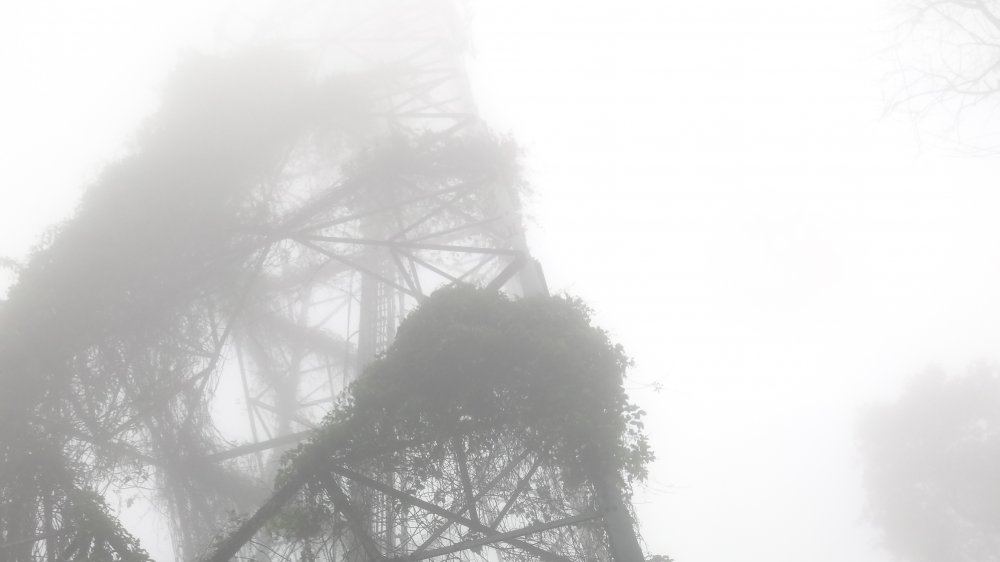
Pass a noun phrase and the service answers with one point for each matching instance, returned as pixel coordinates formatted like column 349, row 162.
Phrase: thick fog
column 742, row 192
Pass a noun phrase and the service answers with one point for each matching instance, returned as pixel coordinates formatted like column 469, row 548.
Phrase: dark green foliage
column 89, row 533
column 107, row 339
column 97, row 333
column 475, row 371
column 474, row 363
column 96, row 536
column 178, row 216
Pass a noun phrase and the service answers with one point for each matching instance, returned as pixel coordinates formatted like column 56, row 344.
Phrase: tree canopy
column 931, row 462
column 949, row 59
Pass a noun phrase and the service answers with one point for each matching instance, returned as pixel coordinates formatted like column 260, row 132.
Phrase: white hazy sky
column 716, row 178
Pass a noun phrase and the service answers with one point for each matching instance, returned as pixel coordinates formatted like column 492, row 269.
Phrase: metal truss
column 346, row 265
column 349, row 253
column 441, row 500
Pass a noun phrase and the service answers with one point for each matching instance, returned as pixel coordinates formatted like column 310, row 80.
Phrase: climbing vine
column 476, row 365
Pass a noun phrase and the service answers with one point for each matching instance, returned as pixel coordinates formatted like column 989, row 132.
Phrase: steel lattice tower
column 331, row 281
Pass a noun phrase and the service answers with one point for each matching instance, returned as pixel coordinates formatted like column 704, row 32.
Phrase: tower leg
column 617, row 521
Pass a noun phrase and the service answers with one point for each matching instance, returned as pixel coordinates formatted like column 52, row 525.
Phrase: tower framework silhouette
column 430, row 200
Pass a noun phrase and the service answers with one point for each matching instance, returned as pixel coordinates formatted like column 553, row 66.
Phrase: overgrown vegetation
column 473, row 379
column 111, row 334
column 112, row 337
column 472, row 362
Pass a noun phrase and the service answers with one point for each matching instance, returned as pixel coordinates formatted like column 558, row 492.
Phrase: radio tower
column 431, row 200
column 413, row 241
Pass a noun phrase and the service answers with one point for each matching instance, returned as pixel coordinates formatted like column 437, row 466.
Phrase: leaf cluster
column 472, row 362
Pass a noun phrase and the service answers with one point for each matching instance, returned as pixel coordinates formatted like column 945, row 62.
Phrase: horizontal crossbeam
column 396, row 244
column 438, row 510
column 249, row 448
column 500, row 537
